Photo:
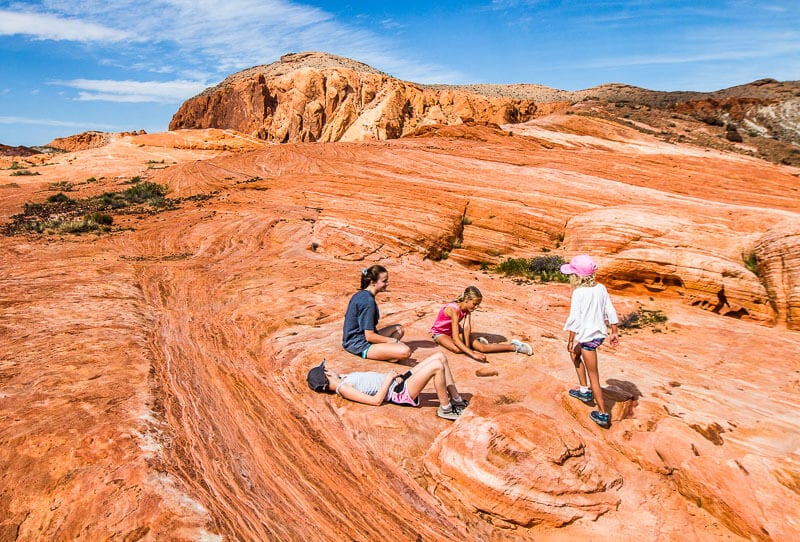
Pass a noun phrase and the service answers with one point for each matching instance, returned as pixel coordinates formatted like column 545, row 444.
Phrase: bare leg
column 446, row 341
column 389, row 351
column 590, row 359
column 580, row 367
column 492, row 348
column 431, row 367
column 450, row 381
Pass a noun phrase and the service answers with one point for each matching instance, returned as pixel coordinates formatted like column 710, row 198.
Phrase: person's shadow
column 430, row 399
column 414, row 345
column 620, row 391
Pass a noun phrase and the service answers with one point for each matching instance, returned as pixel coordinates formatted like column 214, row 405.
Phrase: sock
column 448, row 407
column 584, row 389
column 457, row 398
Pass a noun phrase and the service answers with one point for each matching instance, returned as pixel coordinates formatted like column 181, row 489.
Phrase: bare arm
column 374, row 337
column 456, row 332
column 350, row 393
column 614, row 339
column 570, row 341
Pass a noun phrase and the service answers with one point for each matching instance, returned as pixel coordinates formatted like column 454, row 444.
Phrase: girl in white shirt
column 590, row 314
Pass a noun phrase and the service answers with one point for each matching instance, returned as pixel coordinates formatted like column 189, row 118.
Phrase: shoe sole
column 588, row 401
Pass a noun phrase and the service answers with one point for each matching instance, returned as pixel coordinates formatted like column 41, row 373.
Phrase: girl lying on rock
column 374, row 388
column 447, row 331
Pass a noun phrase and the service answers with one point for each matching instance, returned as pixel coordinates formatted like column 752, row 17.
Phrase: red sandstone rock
column 153, row 378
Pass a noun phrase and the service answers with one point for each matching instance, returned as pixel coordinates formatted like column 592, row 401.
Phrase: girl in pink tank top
column 448, row 332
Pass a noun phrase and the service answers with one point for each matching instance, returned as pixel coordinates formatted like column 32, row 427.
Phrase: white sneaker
column 450, row 414
column 522, row 347
column 483, row 340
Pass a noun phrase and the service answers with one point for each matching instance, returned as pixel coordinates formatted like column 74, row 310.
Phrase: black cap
column 317, row 380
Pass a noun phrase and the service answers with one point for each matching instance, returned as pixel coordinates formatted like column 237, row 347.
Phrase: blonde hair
column 576, row 281
column 470, row 292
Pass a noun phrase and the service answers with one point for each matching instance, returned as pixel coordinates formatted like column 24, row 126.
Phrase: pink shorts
column 402, row 397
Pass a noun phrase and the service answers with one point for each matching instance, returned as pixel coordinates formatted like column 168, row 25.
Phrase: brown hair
column 371, row 274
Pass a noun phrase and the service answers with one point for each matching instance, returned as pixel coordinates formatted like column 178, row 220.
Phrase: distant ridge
column 315, row 96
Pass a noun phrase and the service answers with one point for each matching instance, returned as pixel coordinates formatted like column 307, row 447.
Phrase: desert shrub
column 112, row 200
column 751, row 263
column 99, row 218
column 61, row 214
column 543, row 268
column 62, row 186
column 732, row 134
column 23, row 172
column 61, row 197
column 711, row 120
column 144, row 191
column 641, row 318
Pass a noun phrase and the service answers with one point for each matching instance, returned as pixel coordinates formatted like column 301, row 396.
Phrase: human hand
column 614, row 339
column 479, row 356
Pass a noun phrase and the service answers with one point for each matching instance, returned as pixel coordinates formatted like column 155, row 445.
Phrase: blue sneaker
column 586, row 397
column 600, row 418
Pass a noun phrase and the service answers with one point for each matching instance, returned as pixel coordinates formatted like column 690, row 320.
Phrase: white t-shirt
column 590, row 313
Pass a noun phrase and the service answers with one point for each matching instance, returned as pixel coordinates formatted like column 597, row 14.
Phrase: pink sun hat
column 582, row 265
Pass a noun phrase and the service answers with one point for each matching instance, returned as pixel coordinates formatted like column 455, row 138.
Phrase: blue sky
column 67, row 66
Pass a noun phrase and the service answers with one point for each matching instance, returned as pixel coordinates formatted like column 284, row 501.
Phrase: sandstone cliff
column 321, row 97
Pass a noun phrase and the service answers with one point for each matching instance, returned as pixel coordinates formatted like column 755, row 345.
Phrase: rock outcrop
column 321, row 97
column 86, row 140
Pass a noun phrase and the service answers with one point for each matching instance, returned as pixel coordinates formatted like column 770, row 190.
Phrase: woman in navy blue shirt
column 360, row 334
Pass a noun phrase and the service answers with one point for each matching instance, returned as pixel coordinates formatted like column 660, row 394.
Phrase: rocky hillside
column 321, row 97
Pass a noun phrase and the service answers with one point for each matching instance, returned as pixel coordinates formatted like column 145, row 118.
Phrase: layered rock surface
column 153, row 379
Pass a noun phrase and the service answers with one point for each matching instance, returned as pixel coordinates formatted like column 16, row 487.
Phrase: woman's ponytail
column 371, row 274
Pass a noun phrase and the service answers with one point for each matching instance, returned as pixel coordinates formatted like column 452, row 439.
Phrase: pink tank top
column 443, row 324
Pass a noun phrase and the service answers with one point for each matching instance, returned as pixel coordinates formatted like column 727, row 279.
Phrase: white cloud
column 134, row 91
column 52, row 122
column 45, row 26
column 223, row 37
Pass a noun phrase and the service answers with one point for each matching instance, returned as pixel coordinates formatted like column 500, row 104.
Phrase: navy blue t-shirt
column 362, row 314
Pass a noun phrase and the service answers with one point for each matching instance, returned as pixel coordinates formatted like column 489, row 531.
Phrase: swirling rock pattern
column 153, row 378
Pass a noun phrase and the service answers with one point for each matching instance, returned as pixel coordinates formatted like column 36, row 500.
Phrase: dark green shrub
column 641, row 318
column 62, row 186
column 59, row 198
column 751, row 263
column 99, row 218
column 144, row 191
column 543, row 268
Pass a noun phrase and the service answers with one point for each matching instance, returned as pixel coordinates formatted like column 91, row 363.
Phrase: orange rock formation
column 153, row 378
column 322, row 97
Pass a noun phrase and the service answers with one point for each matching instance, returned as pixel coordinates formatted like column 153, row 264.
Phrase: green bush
column 59, row 198
column 751, row 263
column 144, row 191
column 543, row 268
column 99, row 218
column 641, row 318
